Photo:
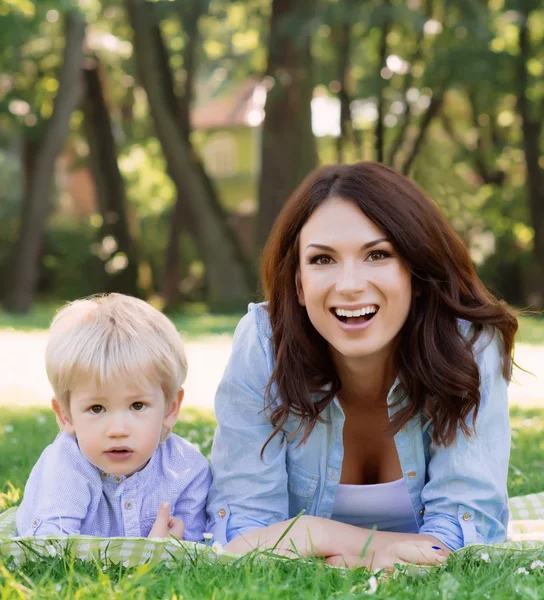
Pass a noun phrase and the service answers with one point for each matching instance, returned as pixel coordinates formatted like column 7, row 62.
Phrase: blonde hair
column 109, row 337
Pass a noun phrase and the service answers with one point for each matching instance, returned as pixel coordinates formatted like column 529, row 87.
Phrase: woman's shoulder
column 253, row 335
column 488, row 348
column 256, row 319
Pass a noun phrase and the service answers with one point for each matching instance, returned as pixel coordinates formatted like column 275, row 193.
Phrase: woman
column 370, row 390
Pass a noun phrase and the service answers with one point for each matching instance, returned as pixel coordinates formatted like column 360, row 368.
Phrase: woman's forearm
column 323, row 537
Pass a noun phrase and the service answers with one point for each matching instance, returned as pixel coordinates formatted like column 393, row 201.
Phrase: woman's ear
column 300, row 291
column 172, row 413
column 63, row 420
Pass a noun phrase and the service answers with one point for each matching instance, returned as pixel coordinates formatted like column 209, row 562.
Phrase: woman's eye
column 378, row 255
column 96, row 409
column 137, row 405
column 323, row 259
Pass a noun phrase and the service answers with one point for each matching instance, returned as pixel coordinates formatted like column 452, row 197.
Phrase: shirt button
column 411, row 474
column 222, row 512
column 422, row 512
column 128, row 505
column 333, row 474
column 325, row 515
column 104, row 475
column 35, row 523
column 466, row 517
column 117, row 479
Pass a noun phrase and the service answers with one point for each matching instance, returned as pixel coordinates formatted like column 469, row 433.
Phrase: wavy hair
column 434, row 360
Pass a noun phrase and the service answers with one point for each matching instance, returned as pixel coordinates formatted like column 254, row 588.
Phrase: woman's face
column 355, row 287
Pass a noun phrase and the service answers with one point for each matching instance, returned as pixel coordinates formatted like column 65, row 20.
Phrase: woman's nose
column 351, row 279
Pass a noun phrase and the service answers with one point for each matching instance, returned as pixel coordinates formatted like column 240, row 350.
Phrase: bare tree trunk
column 37, row 201
column 532, row 130
column 341, row 35
column 432, row 111
column 228, row 285
column 288, row 146
column 110, row 187
column 398, row 142
column 380, row 129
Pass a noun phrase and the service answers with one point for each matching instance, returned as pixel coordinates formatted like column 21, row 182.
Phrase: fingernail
column 437, row 548
column 165, row 505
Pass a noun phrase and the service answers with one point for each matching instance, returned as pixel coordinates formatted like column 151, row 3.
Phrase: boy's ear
column 172, row 415
column 63, row 419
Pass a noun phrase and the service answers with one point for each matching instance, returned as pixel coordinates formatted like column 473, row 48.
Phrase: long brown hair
column 434, row 360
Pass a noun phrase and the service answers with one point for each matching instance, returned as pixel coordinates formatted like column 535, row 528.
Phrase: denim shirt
column 458, row 492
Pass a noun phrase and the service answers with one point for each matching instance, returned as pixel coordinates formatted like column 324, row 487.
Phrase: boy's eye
column 96, row 409
column 322, row 259
column 137, row 405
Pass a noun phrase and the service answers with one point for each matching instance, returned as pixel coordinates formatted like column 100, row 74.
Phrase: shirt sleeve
column 59, row 492
column 465, row 498
column 248, row 492
column 191, row 506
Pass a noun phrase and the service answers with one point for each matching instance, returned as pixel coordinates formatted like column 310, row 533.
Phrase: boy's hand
column 165, row 525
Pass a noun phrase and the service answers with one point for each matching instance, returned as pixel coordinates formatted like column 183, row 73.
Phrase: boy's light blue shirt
column 458, row 492
column 66, row 494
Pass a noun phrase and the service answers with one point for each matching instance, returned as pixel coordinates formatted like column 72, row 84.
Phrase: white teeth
column 342, row 312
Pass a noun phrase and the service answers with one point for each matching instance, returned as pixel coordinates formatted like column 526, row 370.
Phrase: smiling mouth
column 355, row 317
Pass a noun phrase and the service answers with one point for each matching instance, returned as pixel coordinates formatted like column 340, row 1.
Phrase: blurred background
column 147, row 147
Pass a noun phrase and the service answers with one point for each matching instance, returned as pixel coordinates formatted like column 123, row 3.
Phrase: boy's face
column 118, row 426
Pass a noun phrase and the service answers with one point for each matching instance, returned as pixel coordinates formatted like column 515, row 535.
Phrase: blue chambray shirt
column 66, row 494
column 458, row 492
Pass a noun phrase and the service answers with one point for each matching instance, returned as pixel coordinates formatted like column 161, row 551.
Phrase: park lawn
column 25, row 432
column 196, row 322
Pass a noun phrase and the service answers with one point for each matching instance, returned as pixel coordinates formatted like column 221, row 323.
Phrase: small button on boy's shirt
column 66, row 494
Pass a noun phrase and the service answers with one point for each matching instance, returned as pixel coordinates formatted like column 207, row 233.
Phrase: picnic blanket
column 525, row 536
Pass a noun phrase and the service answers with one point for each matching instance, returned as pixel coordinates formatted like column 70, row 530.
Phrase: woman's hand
column 166, row 525
column 419, row 552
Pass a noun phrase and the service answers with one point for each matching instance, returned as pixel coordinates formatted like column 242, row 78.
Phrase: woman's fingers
column 420, row 553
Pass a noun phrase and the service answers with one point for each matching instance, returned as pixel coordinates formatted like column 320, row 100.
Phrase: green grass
column 195, row 322
column 25, row 432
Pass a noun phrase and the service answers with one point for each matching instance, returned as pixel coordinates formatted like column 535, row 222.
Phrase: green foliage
column 476, row 171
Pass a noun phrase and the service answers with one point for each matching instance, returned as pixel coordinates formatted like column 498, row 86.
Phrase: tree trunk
column 37, row 200
column 228, row 285
column 380, row 128
column 288, row 145
column 432, row 111
column 341, row 36
column 110, row 187
column 532, row 130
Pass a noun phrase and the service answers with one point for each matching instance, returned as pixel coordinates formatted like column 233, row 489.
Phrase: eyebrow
column 363, row 247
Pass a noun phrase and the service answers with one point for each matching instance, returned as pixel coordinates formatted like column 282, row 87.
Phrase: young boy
column 116, row 366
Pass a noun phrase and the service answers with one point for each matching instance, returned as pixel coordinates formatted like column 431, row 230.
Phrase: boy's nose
column 117, row 427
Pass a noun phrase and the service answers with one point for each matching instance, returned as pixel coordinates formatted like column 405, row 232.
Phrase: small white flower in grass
column 52, row 551
column 536, row 564
column 522, row 571
column 207, row 536
column 372, row 585
column 8, row 428
column 484, row 556
column 218, row 548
